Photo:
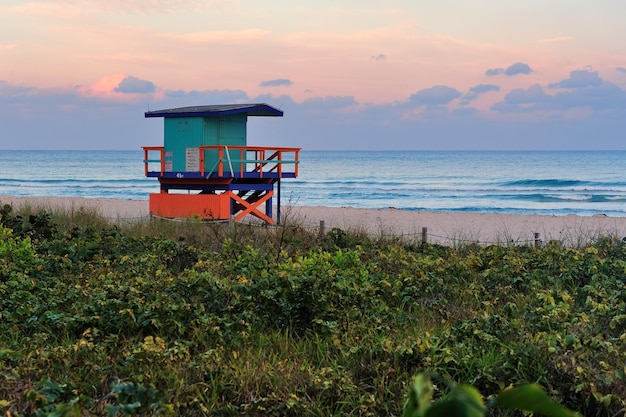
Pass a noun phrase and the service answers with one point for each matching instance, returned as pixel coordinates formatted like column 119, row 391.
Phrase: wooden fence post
column 322, row 228
column 424, row 235
column 537, row 240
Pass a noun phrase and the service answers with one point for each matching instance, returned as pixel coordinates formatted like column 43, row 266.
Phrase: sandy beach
column 442, row 227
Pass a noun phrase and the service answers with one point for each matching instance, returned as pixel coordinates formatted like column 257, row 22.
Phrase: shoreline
column 442, row 227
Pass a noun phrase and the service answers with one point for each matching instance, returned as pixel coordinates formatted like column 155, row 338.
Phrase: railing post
column 242, row 156
column 201, row 150
column 297, row 162
column 162, row 160
column 262, row 158
column 220, row 162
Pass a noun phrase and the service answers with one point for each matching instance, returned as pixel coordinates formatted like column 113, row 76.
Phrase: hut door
column 232, row 132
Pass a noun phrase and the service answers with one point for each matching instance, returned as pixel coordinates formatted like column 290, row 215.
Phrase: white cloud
column 438, row 94
column 587, row 91
column 579, row 79
column 133, row 85
column 278, row 82
column 510, row 71
column 523, row 100
column 517, row 68
column 57, row 118
column 476, row 91
column 484, row 88
column 598, row 97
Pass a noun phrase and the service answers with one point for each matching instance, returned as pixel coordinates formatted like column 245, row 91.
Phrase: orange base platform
column 205, row 206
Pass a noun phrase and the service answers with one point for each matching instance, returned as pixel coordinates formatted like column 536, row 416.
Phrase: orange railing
column 146, row 160
column 257, row 156
column 251, row 155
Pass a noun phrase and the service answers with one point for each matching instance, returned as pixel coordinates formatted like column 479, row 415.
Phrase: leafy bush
column 17, row 256
column 466, row 401
column 100, row 320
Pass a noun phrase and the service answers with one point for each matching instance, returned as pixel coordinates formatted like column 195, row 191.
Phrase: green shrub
column 150, row 323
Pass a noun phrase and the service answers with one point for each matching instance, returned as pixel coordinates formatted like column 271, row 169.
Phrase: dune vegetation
column 193, row 318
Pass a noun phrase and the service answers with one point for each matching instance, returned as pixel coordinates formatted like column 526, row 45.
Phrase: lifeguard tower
column 206, row 170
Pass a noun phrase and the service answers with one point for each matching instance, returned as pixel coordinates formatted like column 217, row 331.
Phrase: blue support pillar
column 278, row 202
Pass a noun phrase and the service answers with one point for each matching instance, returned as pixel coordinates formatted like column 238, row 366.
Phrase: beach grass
column 295, row 232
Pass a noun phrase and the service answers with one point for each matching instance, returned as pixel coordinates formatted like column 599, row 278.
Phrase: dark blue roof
column 257, row 109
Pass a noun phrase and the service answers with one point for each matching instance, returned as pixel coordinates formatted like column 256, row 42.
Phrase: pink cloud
column 65, row 9
column 557, row 39
column 220, row 36
column 108, row 87
column 104, row 87
column 52, row 9
column 128, row 58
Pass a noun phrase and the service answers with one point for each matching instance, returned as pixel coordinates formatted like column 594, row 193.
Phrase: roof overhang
column 257, row 109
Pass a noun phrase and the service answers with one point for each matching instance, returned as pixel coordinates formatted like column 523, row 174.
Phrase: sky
column 349, row 75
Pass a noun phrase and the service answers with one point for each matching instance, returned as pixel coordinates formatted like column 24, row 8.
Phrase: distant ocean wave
column 584, row 183
column 570, row 197
column 74, row 182
column 544, row 183
column 576, row 185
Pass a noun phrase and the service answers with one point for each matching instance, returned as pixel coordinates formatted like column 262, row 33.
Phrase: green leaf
column 472, row 398
column 451, row 407
column 531, row 398
column 111, row 410
column 420, row 396
column 462, row 401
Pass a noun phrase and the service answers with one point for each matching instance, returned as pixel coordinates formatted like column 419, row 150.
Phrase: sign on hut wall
column 192, row 160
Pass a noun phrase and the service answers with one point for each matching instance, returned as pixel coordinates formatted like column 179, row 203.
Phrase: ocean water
column 552, row 182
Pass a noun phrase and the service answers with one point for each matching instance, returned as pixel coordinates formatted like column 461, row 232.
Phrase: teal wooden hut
column 206, row 169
